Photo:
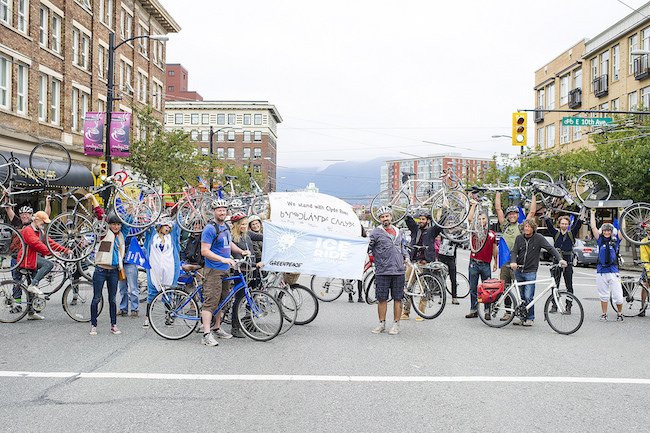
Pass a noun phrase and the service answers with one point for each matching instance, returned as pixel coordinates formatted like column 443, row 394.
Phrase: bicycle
column 424, row 288
column 174, row 314
column 567, row 307
column 633, row 288
column 330, row 289
column 307, row 305
column 12, row 245
column 635, row 221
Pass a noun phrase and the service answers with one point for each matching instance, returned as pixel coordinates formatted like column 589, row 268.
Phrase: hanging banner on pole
column 94, row 126
column 119, row 133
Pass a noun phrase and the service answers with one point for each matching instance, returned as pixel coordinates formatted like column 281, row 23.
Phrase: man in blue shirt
column 216, row 248
column 608, row 281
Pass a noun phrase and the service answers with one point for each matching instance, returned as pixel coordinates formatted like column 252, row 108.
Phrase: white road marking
column 322, row 378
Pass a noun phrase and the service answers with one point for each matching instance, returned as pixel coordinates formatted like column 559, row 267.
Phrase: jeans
column 477, row 269
column 129, row 288
column 568, row 275
column 527, row 291
column 43, row 267
column 450, row 261
column 110, row 277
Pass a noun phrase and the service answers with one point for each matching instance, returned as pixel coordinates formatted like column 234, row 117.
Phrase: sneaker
column 35, row 316
column 505, row 317
column 33, row 289
column 222, row 334
column 553, row 309
column 237, row 333
column 619, row 318
column 73, row 301
column 517, row 322
column 134, row 313
column 527, row 323
column 471, row 315
column 93, row 330
column 209, row 340
column 455, row 301
column 146, row 322
column 487, row 316
column 379, row 329
column 419, row 319
column 115, row 331
column 350, row 299
column 395, row 329
column 603, row 318
column 642, row 313
column 404, row 317
column 360, row 300
column 124, row 313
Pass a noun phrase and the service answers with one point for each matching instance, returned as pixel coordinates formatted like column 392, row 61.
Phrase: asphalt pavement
column 333, row 375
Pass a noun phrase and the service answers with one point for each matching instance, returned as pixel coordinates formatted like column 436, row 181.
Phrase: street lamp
column 510, row 137
column 109, row 87
column 211, row 150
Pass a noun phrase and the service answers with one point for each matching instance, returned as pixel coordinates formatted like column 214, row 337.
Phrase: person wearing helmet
column 423, row 239
column 216, row 248
column 25, row 212
column 255, row 226
column 109, row 263
column 387, row 246
column 510, row 229
column 608, row 280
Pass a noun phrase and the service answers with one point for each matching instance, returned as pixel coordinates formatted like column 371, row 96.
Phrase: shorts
column 609, row 283
column 215, row 290
column 392, row 283
column 506, row 274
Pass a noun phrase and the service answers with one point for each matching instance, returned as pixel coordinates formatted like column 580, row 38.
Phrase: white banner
column 314, row 212
column 288, row 248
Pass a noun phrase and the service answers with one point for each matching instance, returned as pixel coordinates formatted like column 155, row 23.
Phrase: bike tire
column 192, row 214
column 86, row 267
column 50, row 161
column 326, row 289
column 450, row 209
column 592, row 185
column 556, row 320
column 74, row 232
column 288, row 304
column 54, row 280
column 548, row 189
column 495, row 309
column 260, row 205
column 430, row 300
column 5, row 170
column 12, row 245
column 478, row 231
column 164, row 310
column 137, row 204
column 462, row 286
column 525, row 180
column 635, row 219
column 398, row 203
column 10, row 304
column 632, row 291
column 307, row 303
column 76, row 301
column 261, row 320
column 369, row 291
column 425, row 190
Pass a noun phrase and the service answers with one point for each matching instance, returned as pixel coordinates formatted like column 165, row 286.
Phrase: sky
column 361, row 79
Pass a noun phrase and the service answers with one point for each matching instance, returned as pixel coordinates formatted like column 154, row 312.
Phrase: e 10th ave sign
column 586, row 121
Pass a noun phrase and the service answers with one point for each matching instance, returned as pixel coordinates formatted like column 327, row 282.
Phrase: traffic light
column 519, row 125
column 103, row 170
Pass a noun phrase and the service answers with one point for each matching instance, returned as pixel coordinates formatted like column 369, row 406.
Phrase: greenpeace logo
column 279, row 263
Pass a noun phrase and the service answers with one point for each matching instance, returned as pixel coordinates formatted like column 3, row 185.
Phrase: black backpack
column 193, row 248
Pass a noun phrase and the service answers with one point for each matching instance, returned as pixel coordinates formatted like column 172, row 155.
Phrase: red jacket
column 35, row 247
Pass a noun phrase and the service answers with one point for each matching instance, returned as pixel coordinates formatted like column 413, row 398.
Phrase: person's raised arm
column 549, row 225
column 472, row 209
column 48, row 205
column 533, row 207
column 592, row 223
column 497, row 206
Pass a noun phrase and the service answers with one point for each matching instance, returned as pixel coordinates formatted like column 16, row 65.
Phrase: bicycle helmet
column 607, row 226
column 384, row 210
column 216, row 204
column 113, row 219
column 253, row 218
column 165, row 222
column 26, row 209
column 237, row 217
column 511, row 209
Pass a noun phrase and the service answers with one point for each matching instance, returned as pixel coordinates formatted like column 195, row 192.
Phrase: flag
column 571, row 220
column 136, row 256
column 615, row 224
column 522, row 215
column 504, row 252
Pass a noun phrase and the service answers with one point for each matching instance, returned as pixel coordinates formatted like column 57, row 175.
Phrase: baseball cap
column 42, row 216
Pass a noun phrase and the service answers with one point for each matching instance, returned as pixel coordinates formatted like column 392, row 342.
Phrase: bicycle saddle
column 229, row 177
column 190, row 268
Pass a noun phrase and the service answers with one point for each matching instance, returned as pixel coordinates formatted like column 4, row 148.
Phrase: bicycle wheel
column 593, row 185
column 632, row 291
column 326, row 289
column 425, row 190
column 429, row 298
column 49, row 161
column 173, row 314
column 76, row 301
column 526, row 180
column 54, row 280
column 260, row 205
column 569, row 316
column 449, row 209
column 193, row 214
column 478, row 229
column 143, row 286
column 5, row 170
column 12, row 246
column 288, row 304
column 491, row 314
column 14, row 301
column 74, row 232
column 137, row 204
column 307, row 303
column 261, row 320
column 462, row 285
column 398, row 203
column 635, row 220
column 459, row 234
column 86, row 266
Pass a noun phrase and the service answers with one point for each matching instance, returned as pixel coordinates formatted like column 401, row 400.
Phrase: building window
column 616, row 105
column 171, row 73
column 550, row 97
column 143, row 82
column 195, row 118
column 633, row 43
column 101, row 105
column 5, row 82
column 564, row 134
column 143, row 43
column 550, row 136
column 540, row 138
column 158, row 97
column 221, row 136
column 85, row 100
column 632, row 101
column 75, row 46
column 247, row 153
column 101, row 64
column 204, row 151
column 231, row 119
column 577, row 133
column 23, row 15
column 106, row 12
column 231, row 135
column 55, row 99
column 231, row 153
column 205, row 135
column 604, row 63
column 258, row 119
column 178, row 118
column 594, row 72
column 5, row 11
column 170, row 88
column 645, row 97
column 577, row 78
column 221, row 119
column 42, row 98
column 21, row 89
column 540, row 98
column 205, row 119
column 258, row 136
column 616, row 62
column 220, row 153
column 247, row 119
column 75, row 109
column 257, row 168
column 257, row 153
column 127, row 25
column 195, row 135
column 564, row 89
column 247, row 136
column 645, row 39
column 43, row 27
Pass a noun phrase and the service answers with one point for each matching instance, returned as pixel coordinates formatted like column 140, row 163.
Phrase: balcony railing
column 575, row 98
column 539, row 115
column 641, row 67
column 601, row 86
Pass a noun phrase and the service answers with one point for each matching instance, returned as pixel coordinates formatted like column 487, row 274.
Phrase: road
column 333, row 375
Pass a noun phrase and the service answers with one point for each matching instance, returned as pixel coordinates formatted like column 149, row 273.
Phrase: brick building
column 53, row 69
column 176, row 83
column 245, row 132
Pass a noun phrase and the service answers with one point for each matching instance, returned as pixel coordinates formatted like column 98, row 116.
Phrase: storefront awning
column 78, row 176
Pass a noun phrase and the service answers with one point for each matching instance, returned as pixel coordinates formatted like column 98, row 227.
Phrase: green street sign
column 586, row 121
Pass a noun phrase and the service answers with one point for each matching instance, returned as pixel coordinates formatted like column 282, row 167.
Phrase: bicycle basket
column 489, row 290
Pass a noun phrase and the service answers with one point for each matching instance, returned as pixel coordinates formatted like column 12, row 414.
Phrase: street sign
column 587, row 121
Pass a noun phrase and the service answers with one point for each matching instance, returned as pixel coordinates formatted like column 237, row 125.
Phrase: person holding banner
column 388, row 248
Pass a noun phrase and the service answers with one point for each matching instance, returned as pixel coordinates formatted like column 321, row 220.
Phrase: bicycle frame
column 516, row 285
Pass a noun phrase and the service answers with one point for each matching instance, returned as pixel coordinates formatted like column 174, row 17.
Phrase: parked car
column 546, row 256
column 585, row 253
